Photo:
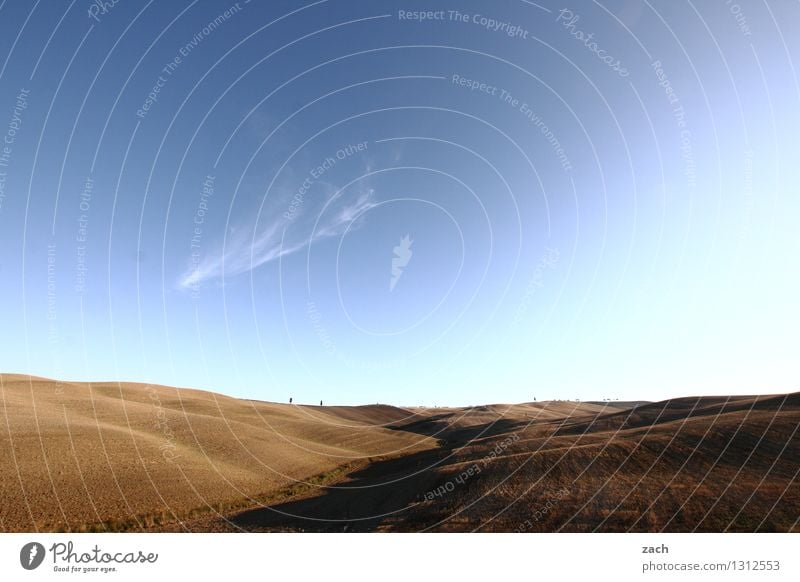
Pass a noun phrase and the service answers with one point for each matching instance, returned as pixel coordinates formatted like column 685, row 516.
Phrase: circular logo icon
column 31, row 555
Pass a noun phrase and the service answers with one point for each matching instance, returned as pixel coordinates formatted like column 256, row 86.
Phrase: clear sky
column 357, row 202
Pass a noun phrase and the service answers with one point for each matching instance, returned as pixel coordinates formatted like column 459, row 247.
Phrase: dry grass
column 78, row 456
column 95, row 458
column 685, row 465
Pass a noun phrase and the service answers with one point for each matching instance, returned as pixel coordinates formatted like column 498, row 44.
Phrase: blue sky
column 343, row 200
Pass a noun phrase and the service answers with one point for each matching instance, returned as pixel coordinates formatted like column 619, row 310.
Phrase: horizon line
column 31, row 377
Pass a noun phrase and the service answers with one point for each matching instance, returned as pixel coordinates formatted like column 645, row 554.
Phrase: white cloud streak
column 281, row 236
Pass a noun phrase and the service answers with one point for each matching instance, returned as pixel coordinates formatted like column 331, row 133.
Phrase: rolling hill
column 133, row 457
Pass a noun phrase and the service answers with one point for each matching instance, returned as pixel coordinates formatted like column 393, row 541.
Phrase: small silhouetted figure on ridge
column 320, row 402
column 290, row 399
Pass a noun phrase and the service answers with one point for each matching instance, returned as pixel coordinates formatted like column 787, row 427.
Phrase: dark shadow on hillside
column 666, row 411
column 449, row 434
column 374, row 492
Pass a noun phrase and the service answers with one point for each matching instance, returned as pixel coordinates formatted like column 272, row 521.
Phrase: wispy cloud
column 317, row 217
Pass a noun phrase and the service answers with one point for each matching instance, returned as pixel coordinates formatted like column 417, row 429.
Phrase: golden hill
column 111, row 456
column 76, row 454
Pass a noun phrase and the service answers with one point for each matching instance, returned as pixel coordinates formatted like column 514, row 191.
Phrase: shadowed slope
column 694, row 464
column 132, row 456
